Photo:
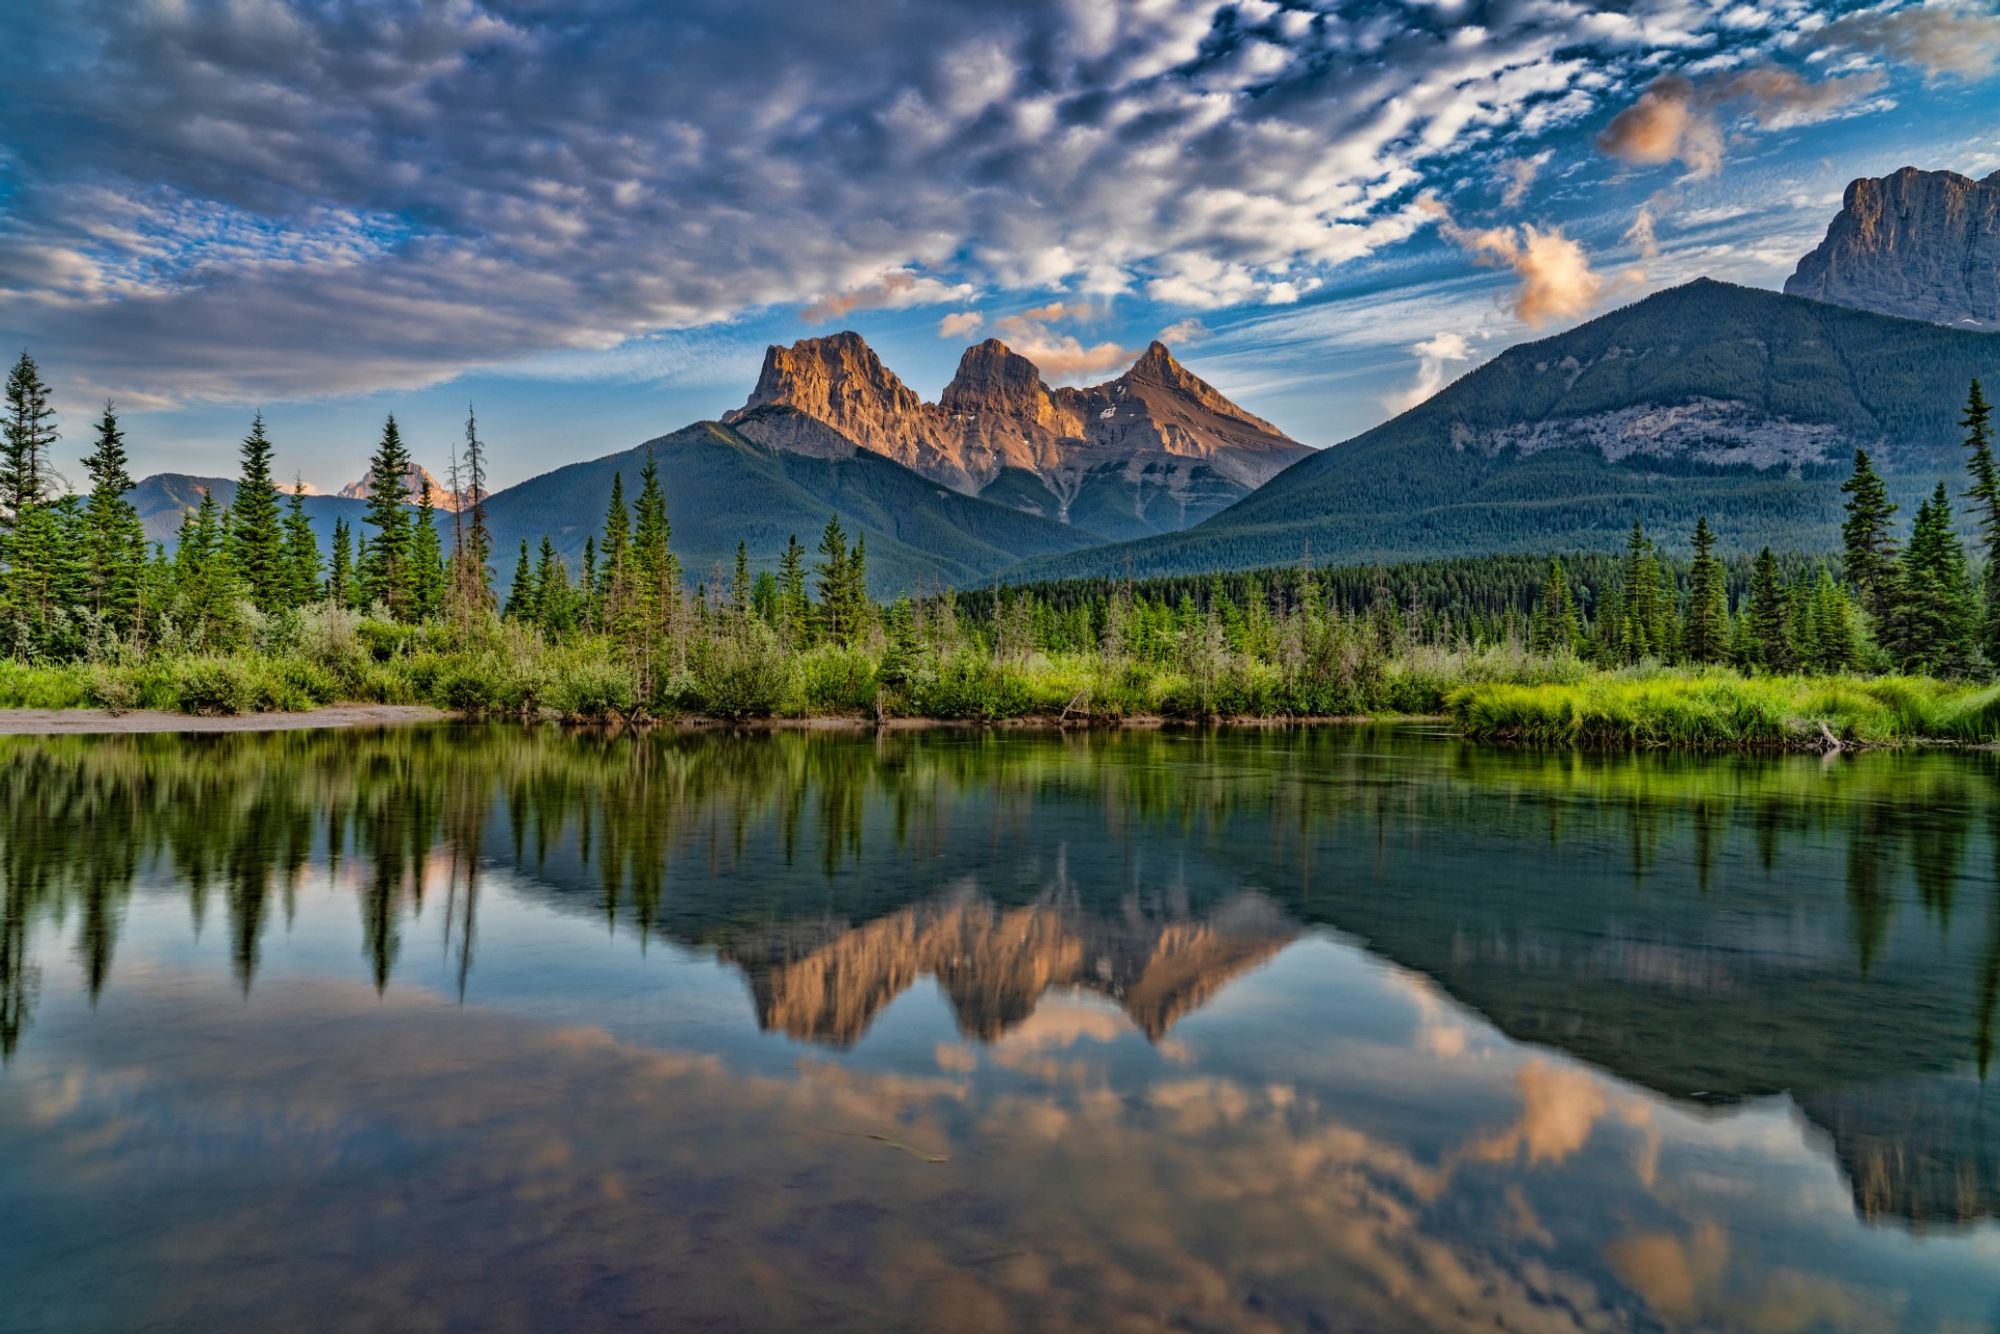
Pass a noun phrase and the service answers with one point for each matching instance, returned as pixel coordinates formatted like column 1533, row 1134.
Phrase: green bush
column 835, row 682
column 741, row 675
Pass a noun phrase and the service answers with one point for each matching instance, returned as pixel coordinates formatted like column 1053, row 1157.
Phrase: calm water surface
column 485, row 1028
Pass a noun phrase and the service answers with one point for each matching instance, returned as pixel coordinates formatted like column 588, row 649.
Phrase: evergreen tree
column 834, row 581
column 114, row 542
column 1933, row 621
column 521, row 596
column 1707, row 637
column 256, row 535
column 1770, row 617
column 1554, row 628
column 206, row 587
column 1828, row 642
column 1868, row 546
column 301, row 552
column 477, row 545
column 340, row 573
column 29, row 436
column 739, row 584
column 1984, row 494
column 554, row 598
column 427, row 577
column 385, row 573
column 794, row 612
column 613, row 575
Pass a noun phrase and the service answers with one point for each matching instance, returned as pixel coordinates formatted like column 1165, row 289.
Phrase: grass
column 1722, row 710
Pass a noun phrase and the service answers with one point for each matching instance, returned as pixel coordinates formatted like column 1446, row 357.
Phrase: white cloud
column 960, row 324
column 1433, row 356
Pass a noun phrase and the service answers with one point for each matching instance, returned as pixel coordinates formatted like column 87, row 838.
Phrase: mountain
column 1152, row 451
column 724, row 485
column 1921, row 244
column 1708, row 398
column 163, row 498
column 415, row 478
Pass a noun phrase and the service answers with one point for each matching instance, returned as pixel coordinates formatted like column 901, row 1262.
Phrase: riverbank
column 105, row 722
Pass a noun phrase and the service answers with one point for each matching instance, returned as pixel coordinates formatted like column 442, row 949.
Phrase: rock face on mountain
column 1921, row 244
column 826, row 981
column 1155, row 450
column 413, row 482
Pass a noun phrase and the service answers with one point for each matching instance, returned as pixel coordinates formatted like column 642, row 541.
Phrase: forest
column 1898, row 638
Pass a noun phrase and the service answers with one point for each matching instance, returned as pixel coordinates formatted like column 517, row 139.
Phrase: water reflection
column 1161, row 1084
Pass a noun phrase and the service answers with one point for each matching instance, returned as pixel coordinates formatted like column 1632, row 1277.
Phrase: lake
column 485, row 1027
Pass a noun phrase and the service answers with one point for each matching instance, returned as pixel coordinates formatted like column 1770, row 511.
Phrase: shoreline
column 133, row 722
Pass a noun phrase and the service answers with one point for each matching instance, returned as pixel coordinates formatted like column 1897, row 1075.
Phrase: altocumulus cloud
column 221, row 199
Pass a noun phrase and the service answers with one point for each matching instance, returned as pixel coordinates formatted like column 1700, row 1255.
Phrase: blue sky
column 589, row 218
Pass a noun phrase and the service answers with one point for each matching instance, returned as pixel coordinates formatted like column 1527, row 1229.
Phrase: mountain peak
column 1924, row 245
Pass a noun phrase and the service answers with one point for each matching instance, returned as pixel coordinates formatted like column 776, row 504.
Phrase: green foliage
column 385, row 572
column 255, row 544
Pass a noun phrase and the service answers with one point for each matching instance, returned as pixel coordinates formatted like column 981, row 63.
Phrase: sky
column 589, row 217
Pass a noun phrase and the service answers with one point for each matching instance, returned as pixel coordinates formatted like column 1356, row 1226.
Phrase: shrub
column 741, row 675
column 835, row 681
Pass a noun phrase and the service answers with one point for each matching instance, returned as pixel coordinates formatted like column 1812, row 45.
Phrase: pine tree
column 1868, row 545
column 1770, row 617
column 554, row 597
column 301, row 552
column 29, row 435
column 739, row 584
column 256, row 536
column 427, row 579
column 614, row 566
column 1829, row 644
column 521, row 596
column 1554, row 629
column 857, row 616
column 794, row 613
column 475, row 552
column 114, row 542
column 1707, row 638
column 1984, row 494
column 1933, row 620
column 340, row 573
column 833, row 580
column 206, row 586
column 385, row 573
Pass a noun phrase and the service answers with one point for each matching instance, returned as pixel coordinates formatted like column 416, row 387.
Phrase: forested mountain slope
column 722, row 487
column 1708, row 398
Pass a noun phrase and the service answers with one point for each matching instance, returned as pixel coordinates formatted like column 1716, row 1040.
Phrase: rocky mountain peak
column 1924, row 245
column 414, row 479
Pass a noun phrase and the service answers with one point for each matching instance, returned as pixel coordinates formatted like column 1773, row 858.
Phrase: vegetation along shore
column 1894, row 641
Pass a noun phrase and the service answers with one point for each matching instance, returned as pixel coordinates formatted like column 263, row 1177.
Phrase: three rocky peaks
column 1170, row 444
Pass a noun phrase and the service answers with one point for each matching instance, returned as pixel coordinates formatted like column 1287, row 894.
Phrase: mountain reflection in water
column 1594, row 999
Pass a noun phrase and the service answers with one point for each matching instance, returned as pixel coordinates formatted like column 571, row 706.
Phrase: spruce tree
column 1554, row 629
column 614, row 566
column 256, row 535
column 301, row 552
column 794, row 612
column 833, row 580
column 521, row 596
column 385, row 573
column 739, row 584
column 426, row 584
column 29, row 435
column 1868, row 546
column 477, row 547
column 1770, row 616
column 206, row 586
column 1707, row 636
column 1984, row 493
column 340, row 573
column 114, row 542
column 1934, row 619
column 553, row 596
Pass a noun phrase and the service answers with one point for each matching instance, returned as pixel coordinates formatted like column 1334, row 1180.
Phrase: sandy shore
column 67, row 722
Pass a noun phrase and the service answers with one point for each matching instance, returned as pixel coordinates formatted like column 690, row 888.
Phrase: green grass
column 1721, row 710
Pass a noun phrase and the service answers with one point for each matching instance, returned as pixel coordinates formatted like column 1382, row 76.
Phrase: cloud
column 1663, row 125
column 1557, row 281
column 1060, row 356
column 960, row 324
column 1943, row 40
column 297, row 198
column 1518, row 174
column 890, row 291
column 1185, row 333
column 1676, row 118
column 1433, row 355
column 1641, row 233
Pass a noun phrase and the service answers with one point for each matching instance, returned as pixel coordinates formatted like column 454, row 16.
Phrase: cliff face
column 1155, row 448
column 1921, row 244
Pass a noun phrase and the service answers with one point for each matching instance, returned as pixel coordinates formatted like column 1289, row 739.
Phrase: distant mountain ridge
column 1920, row 244
column 1708, row 398
column 1154, row 450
